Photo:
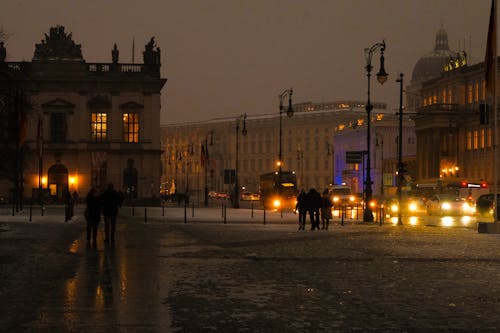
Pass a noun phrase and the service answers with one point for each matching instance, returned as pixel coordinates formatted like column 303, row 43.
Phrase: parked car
column 248, row 196
column 484, row 204
column 448, row 204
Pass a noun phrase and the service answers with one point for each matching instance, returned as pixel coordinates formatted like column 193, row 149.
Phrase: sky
column 223, row 58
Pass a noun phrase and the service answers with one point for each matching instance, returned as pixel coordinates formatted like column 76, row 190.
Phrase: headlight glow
column 276, row 203
column 446, row 206
column 412, row 207
column 394, row 208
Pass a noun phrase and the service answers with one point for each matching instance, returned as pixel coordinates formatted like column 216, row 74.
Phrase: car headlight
column 335, row 199
column 446, row 206
column 394, row 208
column 276, row 203
column 412, row 207
column 351, row 198
column 465, row 207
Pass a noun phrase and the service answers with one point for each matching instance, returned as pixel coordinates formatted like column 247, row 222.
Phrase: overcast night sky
column 223, row 58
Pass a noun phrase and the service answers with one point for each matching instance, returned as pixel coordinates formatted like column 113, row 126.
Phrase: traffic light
column 484, row 114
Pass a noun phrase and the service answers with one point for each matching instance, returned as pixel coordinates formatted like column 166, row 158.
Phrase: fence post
column 192, row 209
column 133, row 210
column 225, row 214
column 222, row 212
column 31, row 210
column 163, row 210
column 264, row 215
column 145, row 215
column 251, row 205
column 342, row 214
column 185, row 212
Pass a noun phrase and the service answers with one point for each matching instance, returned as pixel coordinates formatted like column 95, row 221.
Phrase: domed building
column 427, row 67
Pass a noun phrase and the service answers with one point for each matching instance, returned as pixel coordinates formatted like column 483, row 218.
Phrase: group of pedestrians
column 107, row 203
column 319, row 207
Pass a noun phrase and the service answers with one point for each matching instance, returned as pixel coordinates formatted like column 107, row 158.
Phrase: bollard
column 133, row 210
column 281, row 213
column 264, row 214
column 43, row 208
column 192, row 209
column 225, row 214
column 251, row 206
column 222, row 213
column 13, row 209
column 185, row 212
column 342, row 215
column 31, row 210
column 163, row 210
column 357, row 211
column 145, row 215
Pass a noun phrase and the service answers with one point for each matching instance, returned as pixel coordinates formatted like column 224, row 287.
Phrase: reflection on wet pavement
column 115, row 286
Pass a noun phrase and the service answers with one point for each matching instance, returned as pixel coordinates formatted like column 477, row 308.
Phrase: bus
column 278, row 190
column 469, row 189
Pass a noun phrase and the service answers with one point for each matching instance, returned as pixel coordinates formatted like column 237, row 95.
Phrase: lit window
column 99, row 126
column 476, row 92
column 482, row 139
column 469, row 140
column 476, row 134
column 131, row 127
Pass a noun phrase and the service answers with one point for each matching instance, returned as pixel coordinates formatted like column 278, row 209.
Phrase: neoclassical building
column 198, row 153
column 87, row 124
column 446, row 95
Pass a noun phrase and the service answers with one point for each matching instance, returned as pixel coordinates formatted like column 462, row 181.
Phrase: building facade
column 196, row 154
column 88, row 124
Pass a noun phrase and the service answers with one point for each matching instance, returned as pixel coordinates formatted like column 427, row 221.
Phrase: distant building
column 448, row 97
column 308, row 148
column 90, row 123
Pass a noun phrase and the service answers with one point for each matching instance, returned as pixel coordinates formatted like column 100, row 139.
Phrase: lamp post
column 400, row 150
column 381, row 78
column 236, row 197
column 189, row 152
column 289, row 113
column 205, row 160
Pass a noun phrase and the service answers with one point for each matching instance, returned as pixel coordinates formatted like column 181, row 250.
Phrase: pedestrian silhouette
column 92, row 214
column 313, row 204
column 111, row 201
column 326, row 210
column 301, row 208
column 68, row 204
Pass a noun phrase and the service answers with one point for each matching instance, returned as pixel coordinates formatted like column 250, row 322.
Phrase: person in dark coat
column 313, row 204
column 92, row 214
column 111, row 201
column 68, row 204
column 301, row 208
column 326, row 210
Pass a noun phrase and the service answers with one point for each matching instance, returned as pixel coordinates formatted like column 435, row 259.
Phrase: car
column 484, row 203
column 248, row 196
column 448, row 204
column 414, row 206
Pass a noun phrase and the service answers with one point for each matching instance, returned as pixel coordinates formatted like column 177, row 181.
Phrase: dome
column 431, row 64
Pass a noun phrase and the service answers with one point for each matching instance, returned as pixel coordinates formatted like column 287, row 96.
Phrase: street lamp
column 381, row 78
column 400, row 149
column 205, row 160
column 289, row 113
column 189, row 152
column 236, row 199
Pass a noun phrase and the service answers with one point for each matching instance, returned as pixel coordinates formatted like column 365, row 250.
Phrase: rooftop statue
column 3, row 52
column 151, row 56
column 58, row 45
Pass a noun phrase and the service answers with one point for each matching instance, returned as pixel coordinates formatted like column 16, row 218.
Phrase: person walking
column 313, row 204
column 111, row 201
column 92, row 214
column 68, row 204
column 301, row 208
column 326, row 210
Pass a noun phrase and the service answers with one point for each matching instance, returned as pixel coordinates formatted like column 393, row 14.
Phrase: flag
column 202, row 156
column 490, row 57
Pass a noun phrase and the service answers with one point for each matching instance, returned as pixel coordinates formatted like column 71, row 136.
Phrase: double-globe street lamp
column 381, row 78
column 236, row 192
column 400, row 150
column 289, row 113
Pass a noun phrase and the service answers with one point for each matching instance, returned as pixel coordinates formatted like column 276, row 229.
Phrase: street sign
column 354, row 157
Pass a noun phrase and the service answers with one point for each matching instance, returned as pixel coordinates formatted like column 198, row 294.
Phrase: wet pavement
column 170, row 271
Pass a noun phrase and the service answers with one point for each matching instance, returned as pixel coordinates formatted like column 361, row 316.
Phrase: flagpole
column 495, row 114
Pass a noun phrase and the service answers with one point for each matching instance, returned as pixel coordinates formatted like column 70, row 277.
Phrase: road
column 164, row 275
